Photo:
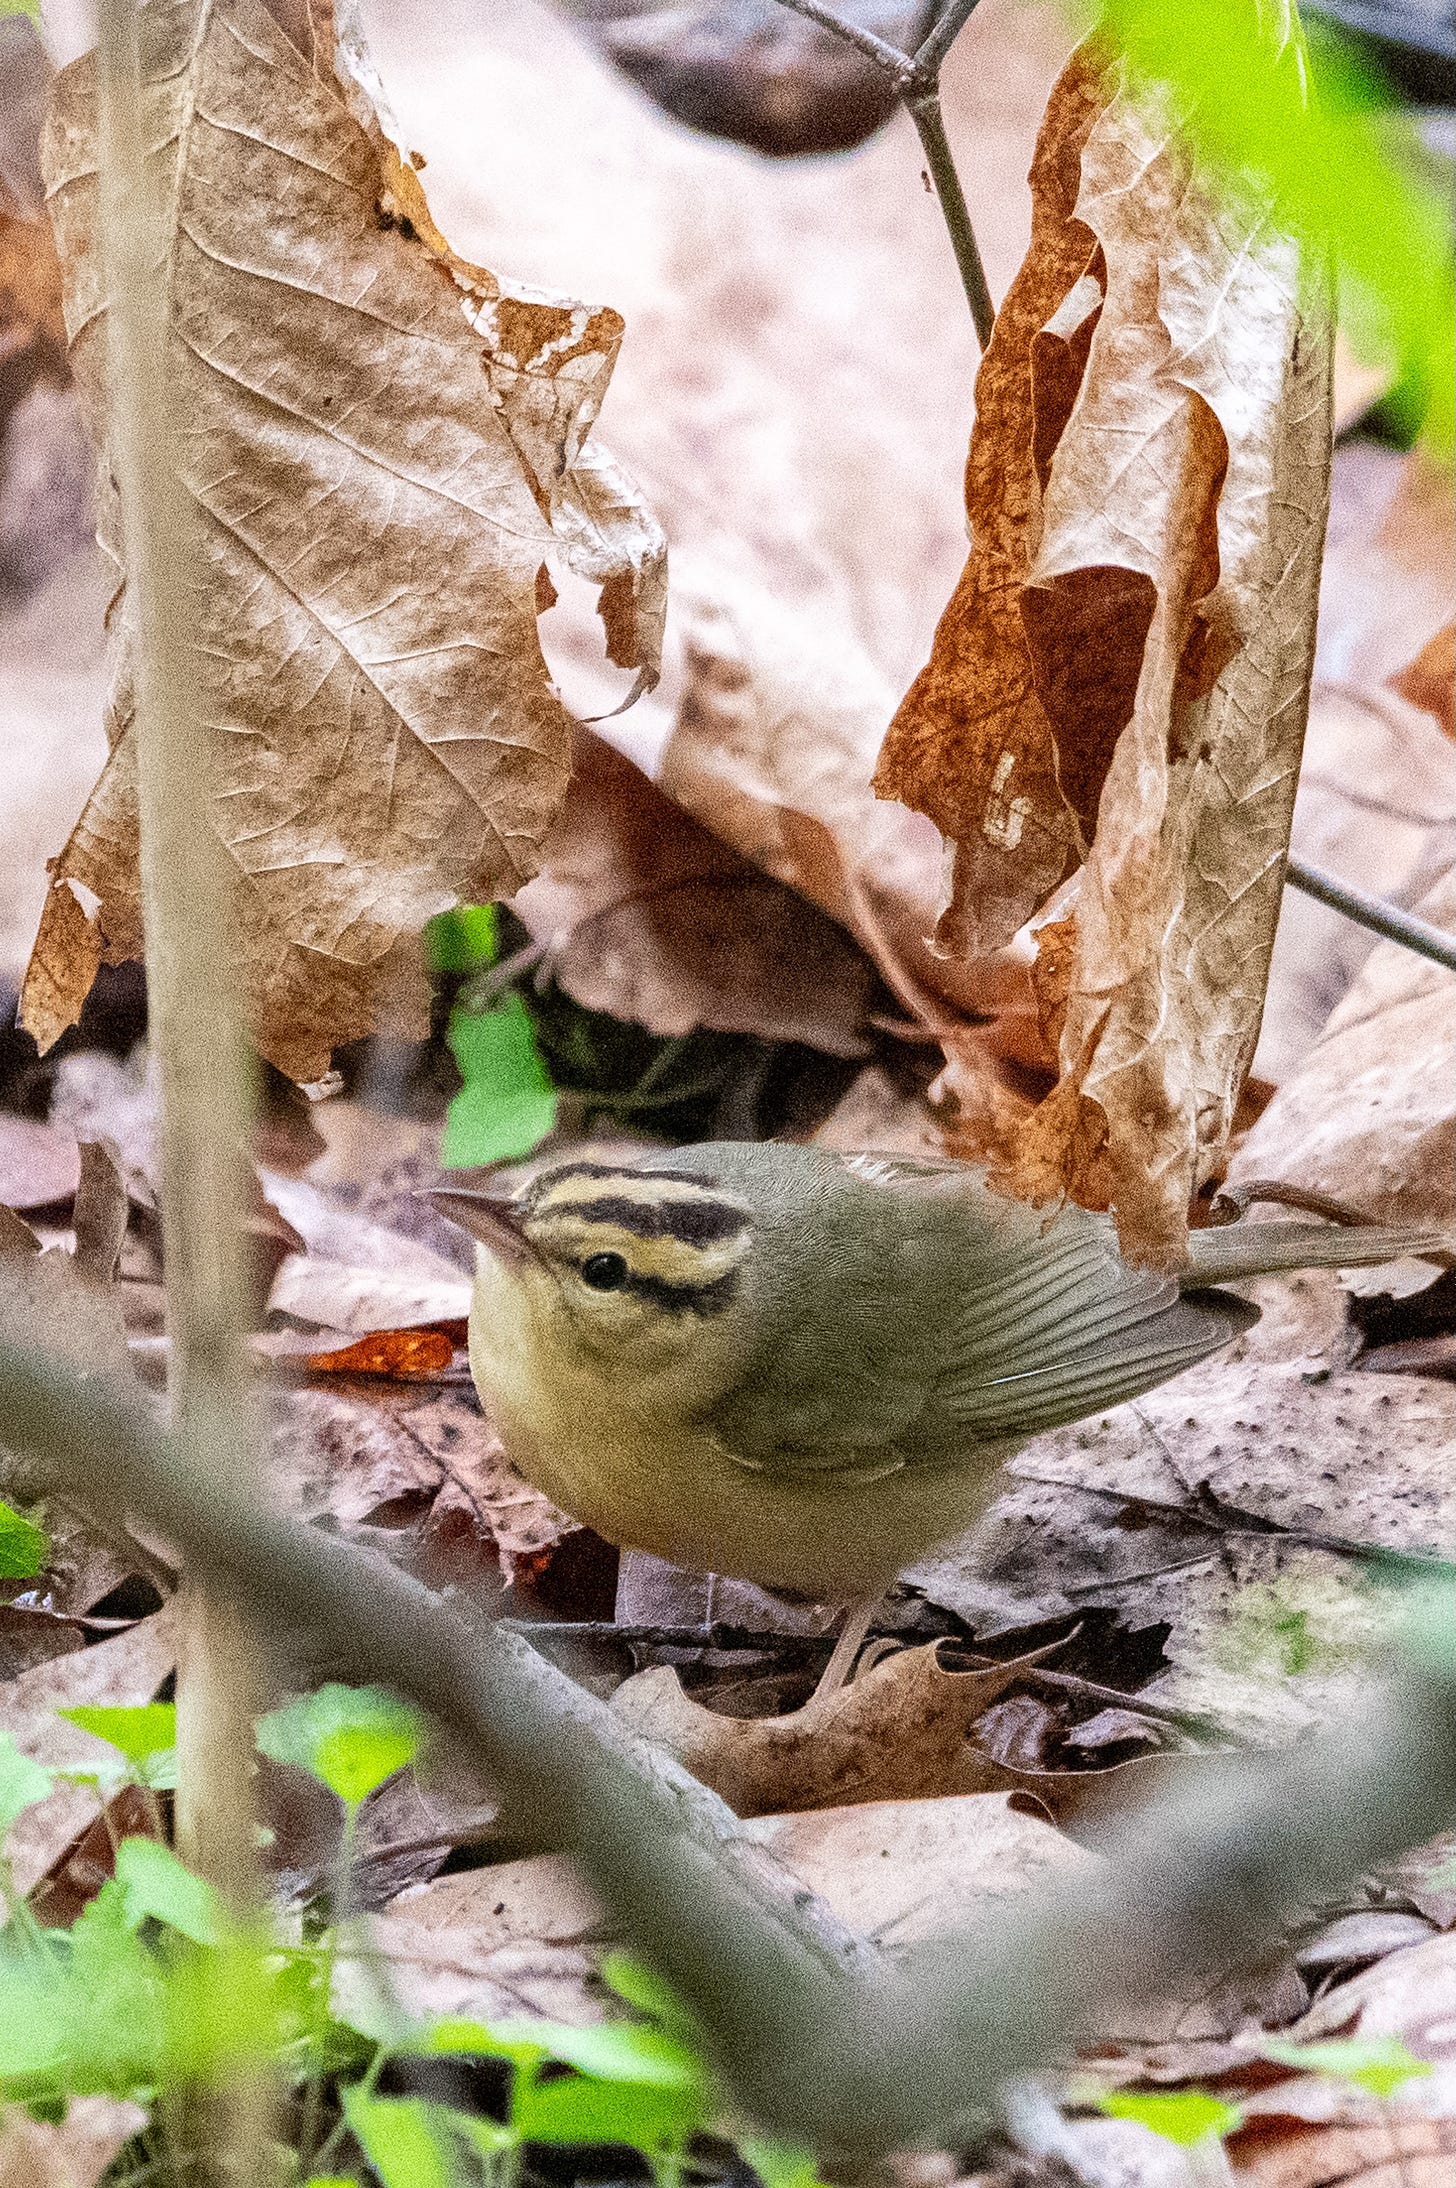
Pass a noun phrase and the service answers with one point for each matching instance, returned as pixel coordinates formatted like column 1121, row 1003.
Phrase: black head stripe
column 700, row 1299
column 695, row 1222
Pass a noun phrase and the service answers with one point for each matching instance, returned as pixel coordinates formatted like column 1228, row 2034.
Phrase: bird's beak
column 495, row 1223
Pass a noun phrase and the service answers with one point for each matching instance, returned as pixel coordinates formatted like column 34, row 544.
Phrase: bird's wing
column 942, row 1317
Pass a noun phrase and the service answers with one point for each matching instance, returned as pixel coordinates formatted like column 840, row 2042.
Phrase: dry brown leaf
column 407, row 1355
column 1126, row 664
column 393, row 741
column 125, row 1671
column 532, row 1933
column 357, row 1275
column 1062, row 1539
column 358, row 1452
column 898, row 1732
column 972, row 745
column 32, row 323
column 1308, row 2131
column 1370, row 1115
column 772, row 746
column 647, row 915
column 1430, row 680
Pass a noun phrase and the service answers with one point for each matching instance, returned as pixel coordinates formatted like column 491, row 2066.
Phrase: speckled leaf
column 382, row 445
column 1126, row 677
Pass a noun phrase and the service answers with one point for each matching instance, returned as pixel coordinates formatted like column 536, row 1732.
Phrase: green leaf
column 22, row 1783
column 141, row 1735
column 1324, row 160
column 350, row 1738
column 628, row 2052
column 156, row 1883
column 581, row 2108
column 780, row 2164
column 452, row 2038
column 507, row 1104
column 465, row 940
column 28, row 8
column 1380, row 2064
column 641, row 1988
column 24, row 1547
column 404, row 2139
column 1185, row 2116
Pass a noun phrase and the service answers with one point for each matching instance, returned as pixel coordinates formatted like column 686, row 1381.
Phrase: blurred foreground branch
column 818, row 2036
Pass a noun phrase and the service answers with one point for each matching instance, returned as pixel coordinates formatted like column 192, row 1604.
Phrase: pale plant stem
column 195, row 1030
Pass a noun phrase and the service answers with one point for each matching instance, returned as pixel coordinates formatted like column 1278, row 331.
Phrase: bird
column 805, row 1368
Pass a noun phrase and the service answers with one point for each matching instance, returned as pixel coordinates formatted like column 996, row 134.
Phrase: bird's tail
column 1227, row 1252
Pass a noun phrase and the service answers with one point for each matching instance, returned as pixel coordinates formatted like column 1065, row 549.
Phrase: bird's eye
column 604, row 1272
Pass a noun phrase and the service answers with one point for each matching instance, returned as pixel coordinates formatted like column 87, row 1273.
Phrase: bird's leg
column 838, row 1670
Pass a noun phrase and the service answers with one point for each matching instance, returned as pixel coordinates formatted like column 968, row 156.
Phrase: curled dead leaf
column 406, row 1355
column 1122, row 677
column 393, row 742
column 646, row 914
column 897, row 1733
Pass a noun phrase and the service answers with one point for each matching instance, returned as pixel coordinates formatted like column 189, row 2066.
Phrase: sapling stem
column 924, row 110
column 916, row 78
column 194, row 1026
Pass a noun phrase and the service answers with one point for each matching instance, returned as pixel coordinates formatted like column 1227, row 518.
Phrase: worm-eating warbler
column 804, row 1368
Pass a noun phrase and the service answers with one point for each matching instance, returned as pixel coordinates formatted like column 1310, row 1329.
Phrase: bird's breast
column 584, row 1437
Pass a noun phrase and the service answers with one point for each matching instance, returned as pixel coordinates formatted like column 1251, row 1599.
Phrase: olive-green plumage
column 805, row 1368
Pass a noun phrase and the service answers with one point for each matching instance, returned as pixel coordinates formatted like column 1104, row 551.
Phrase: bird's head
column 646, row 1272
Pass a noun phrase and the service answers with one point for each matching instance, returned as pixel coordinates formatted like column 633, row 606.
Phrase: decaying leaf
column 1269, row 1635
column 647, row 915
column 772, row 748
column 1120, row 681
column 532, row 1933
column 382, row 444
column 126, row 1670
column 413, row 1355
column 898, row 1732
column 356, row 1275
column 1370, row 1115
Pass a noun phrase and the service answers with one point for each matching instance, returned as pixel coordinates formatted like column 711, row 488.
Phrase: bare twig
column 924, row 110
column 916, row 77
column 898, row 66
column 942, row 35
column 1373, row 912
column 880, row 2055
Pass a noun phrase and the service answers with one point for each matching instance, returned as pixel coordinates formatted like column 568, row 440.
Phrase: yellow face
column 642, row 1274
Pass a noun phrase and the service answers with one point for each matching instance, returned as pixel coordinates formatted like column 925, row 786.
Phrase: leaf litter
column 352, row 803
column 769, row 742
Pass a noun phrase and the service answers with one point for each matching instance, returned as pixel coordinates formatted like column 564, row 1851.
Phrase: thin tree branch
column 1372, row 912
column 917, row 79
column 819, row 2037
column 898, row 66
column 943, row 33
column 924, row 111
